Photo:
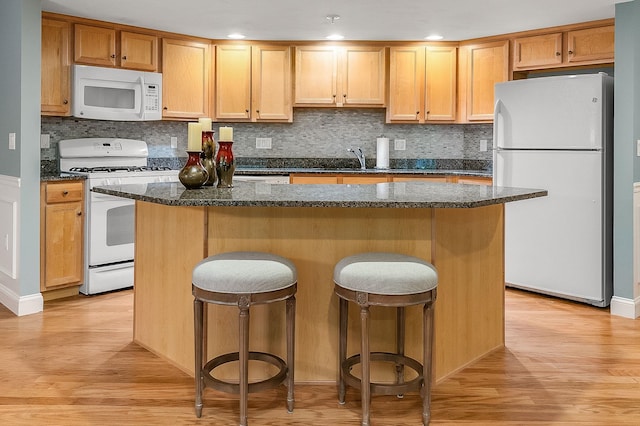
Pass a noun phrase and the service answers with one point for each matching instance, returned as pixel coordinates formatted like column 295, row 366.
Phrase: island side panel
column 169, row 242
column 315, row 239
column 469, row 256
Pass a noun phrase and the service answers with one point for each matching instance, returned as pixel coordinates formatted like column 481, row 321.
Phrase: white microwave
column 115, row 94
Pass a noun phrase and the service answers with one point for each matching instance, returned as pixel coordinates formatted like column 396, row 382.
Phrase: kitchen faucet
column 359, row 155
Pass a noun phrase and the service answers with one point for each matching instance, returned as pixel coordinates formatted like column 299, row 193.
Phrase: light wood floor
column 75, row 364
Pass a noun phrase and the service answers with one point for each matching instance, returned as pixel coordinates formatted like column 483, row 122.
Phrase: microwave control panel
column 152, row 97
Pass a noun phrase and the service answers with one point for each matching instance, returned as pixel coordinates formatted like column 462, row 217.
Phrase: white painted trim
column 626, row 308
column 21, row 305
column 10, row 181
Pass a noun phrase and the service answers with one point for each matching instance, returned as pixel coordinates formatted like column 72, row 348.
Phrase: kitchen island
column 459, row 228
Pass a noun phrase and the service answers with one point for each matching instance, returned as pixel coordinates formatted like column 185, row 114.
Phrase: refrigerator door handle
column 496, row 114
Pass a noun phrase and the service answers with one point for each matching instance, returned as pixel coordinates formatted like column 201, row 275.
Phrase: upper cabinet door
column 362, row 76
column 95, row 45
column 594, row 45
column 55, row 72
column 441, row 81
column 406, row 84
column 316, row 79
column 186, row 71
column 537, row 51
column 487, row 64
column 271, row 83
column 233, row 82
column 138, row 51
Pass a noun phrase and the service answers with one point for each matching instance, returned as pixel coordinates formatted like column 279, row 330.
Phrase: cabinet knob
column 65, row 101
column 165, row 108
column 65, row 193
column 113, row 56
column 344, row 96
column 124, row 57
column 417, row 112
column 571, row 52
column 79, row 214
column 558, row 53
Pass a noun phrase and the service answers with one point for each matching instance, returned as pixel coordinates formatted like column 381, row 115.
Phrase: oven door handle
column 103, row 198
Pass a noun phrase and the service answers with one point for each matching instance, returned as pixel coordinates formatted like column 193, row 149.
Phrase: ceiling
column 359, row 19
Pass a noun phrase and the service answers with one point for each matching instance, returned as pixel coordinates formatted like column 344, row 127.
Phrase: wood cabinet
column 253, row 83
column 186, row 73
column 364, row 178
column 138, row 51
column 55, row 75
column 61, row 236
column 340, row 76
column 587, row 46
column 422, row 84
column 109, row 47
column 591, row 45
column 482, row 65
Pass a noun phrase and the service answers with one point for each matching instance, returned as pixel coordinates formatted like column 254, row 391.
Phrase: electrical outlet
column 263, row 143
column 45, row 141
column 174, row 142
column 12, row 141
column 399, row 144
column 483, row 145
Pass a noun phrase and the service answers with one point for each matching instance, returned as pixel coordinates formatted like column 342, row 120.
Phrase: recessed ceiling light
column 434, row 37
column 335, row 37
column 236, row 36
column 333, row 18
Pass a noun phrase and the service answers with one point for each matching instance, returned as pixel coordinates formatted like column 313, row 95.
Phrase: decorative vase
column 208, row 148
column 225, row 164
column 193, row 175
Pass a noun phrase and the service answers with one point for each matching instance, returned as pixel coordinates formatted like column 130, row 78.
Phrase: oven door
column 111, row 229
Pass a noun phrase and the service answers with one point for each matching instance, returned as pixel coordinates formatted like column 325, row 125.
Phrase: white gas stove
column 109, row 221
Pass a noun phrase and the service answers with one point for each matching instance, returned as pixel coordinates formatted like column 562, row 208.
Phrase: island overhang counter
column 459, row 228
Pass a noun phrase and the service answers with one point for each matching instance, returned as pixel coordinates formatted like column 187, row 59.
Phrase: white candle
column 206, row 123
column 226, row 133
column 194, row 142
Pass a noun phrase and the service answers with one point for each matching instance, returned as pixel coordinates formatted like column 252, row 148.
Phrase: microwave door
column 109, row 100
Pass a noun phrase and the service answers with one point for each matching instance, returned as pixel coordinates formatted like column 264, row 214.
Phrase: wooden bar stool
column 243, row 279
column 385, row 279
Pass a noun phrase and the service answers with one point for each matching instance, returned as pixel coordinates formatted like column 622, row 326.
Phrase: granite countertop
column 60, row 177
column 344, row 171
column 260, row 194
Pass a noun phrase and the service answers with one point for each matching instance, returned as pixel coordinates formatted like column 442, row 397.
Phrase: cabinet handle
column 124, row 57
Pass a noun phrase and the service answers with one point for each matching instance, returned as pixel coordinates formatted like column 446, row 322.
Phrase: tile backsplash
column 321, row 133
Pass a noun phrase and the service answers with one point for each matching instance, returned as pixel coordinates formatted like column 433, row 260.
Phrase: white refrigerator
column 556, row 133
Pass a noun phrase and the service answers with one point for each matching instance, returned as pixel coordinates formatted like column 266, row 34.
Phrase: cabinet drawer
column 64, row 192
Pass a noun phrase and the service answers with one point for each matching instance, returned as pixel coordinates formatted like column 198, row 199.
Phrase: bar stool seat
column 385, row 279
column 243, row 279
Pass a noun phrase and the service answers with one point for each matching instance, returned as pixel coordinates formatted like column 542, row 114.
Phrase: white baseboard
column 21, row 305
column 627, row 308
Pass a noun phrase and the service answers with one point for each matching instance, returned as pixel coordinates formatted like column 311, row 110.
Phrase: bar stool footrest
column 234, row 388
column 414, row 385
